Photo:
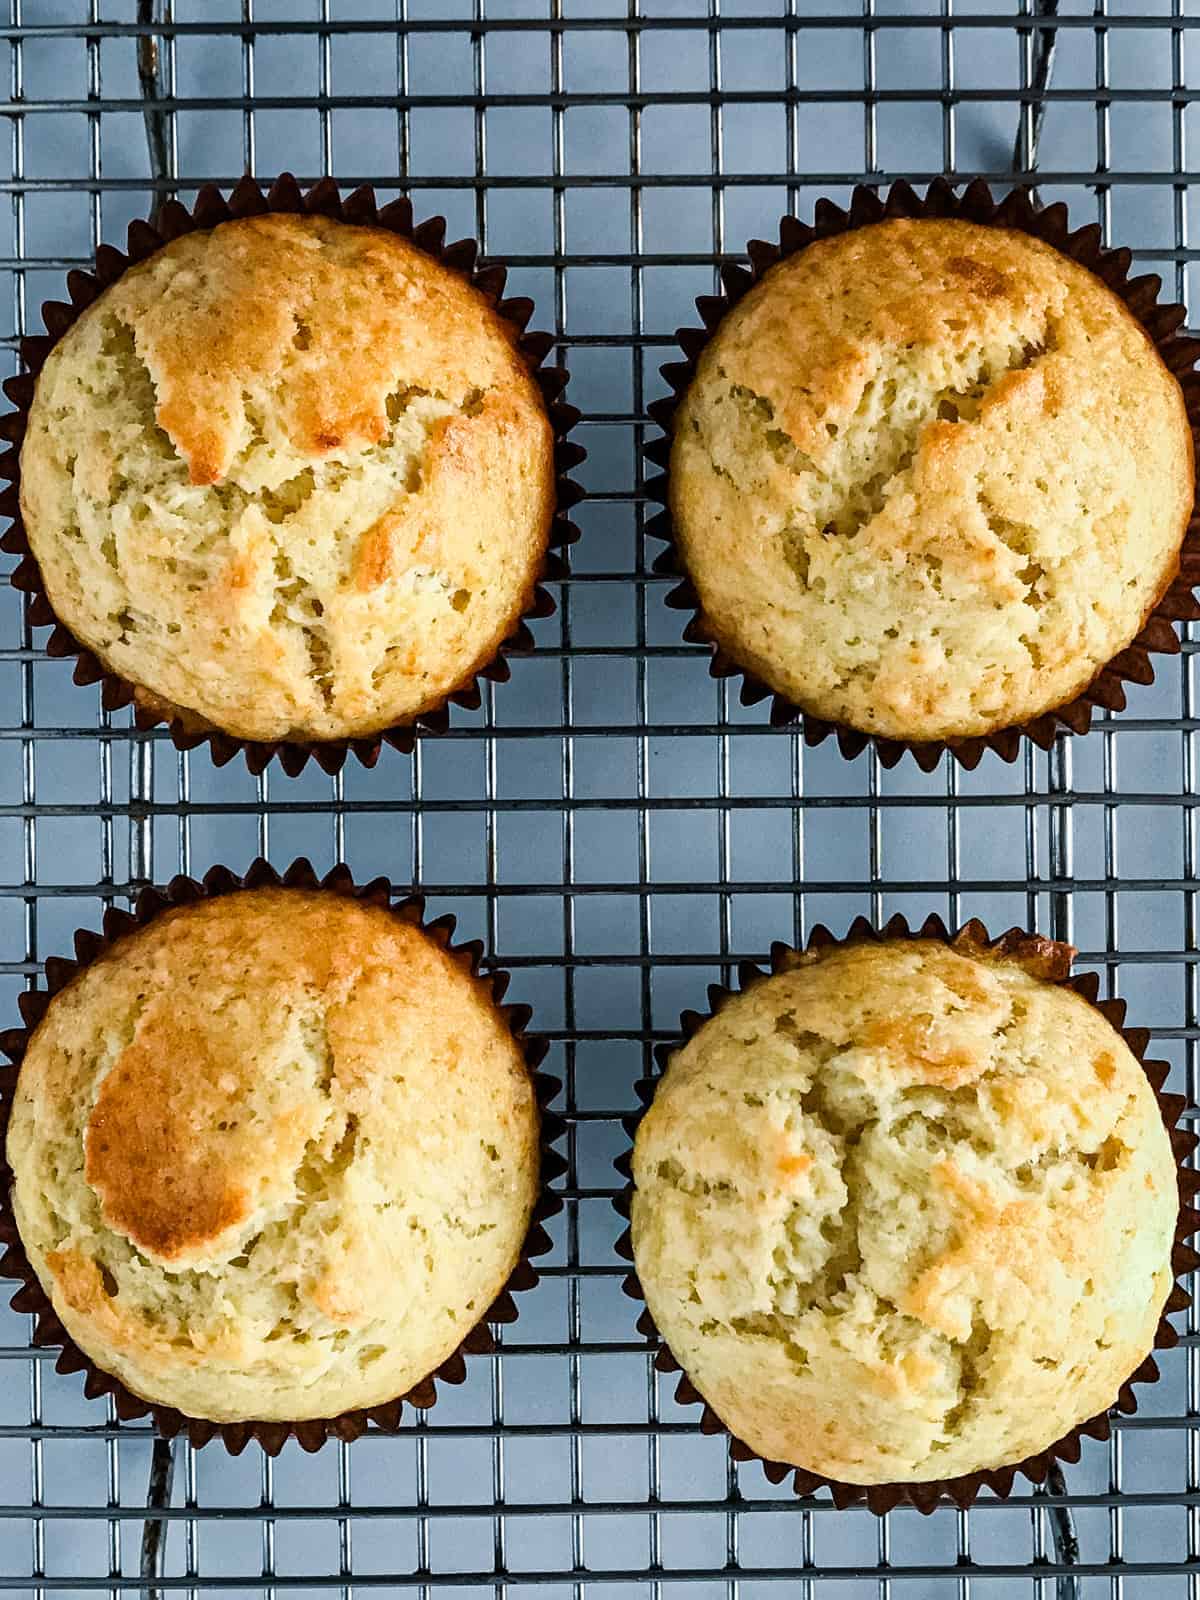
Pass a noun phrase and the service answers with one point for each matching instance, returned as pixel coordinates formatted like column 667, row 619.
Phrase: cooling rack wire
column 613, row 823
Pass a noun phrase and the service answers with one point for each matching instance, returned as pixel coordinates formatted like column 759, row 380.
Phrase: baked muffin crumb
column 291, row 478
column 929, row 478
column 275, row 1155
column 904, row 1213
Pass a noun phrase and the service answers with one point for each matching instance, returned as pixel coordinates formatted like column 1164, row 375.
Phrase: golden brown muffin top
column 904, row 1212
column 292, row 477
column 275, row 1155
column 929, row 478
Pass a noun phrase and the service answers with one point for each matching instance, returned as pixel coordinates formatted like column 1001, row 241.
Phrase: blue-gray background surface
column 691, row 832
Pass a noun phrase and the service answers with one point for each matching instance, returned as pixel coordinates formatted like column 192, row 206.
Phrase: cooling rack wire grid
column 612, row 822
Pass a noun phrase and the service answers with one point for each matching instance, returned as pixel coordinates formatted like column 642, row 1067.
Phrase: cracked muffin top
column 929, row 478
column 904, row 1212
column 275, row 1154
column 289, row 477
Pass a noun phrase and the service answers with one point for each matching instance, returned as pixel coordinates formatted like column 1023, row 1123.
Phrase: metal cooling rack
column 612, row 822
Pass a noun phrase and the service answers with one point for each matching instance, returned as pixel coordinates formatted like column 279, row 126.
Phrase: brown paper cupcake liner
column 1046, row 959
column 246, row 200
column 32, row 1299
column 1177, row 603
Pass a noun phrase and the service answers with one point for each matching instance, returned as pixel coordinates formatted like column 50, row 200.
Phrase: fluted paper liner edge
column 360, row 209
column 1050, row 224
column 311, row 1434
column 1047, row 959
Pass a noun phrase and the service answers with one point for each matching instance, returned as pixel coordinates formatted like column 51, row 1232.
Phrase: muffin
column 275, row 1155
column 929, row 478
column 290, row 478
column 904, row 1212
